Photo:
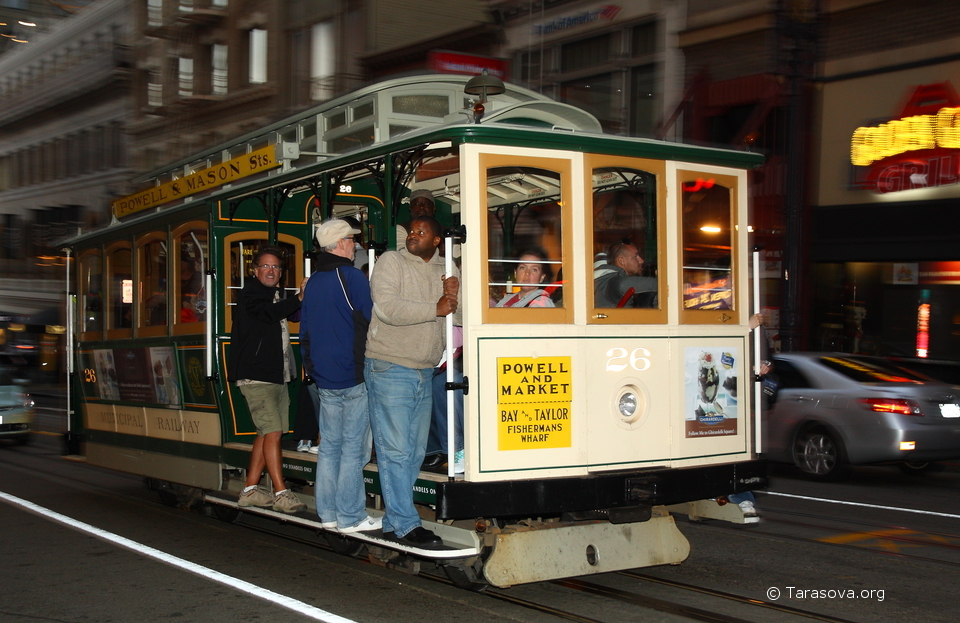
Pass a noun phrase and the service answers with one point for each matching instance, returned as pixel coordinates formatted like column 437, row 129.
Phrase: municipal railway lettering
column 129, row 419
column 175, row 425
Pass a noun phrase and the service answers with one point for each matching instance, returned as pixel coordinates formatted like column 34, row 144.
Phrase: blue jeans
column 746, row 496
column 437, row 443
column 344, row 449
column 400, row 404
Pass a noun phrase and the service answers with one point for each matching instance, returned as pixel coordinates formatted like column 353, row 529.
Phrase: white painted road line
column 247, row 587
column 886, row 508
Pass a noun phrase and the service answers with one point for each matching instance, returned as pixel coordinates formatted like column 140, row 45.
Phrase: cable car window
column 241, row 249
column 91, row 292
column 524, row 238
column 192, row 264
column 120, row 288
column 625, row 244
column 707, row 230
column 152, row 280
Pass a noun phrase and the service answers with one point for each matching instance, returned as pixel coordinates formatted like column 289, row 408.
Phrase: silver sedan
column 827, row 411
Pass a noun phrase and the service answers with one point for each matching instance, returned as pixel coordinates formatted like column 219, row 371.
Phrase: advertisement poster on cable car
column 132, row 375
column 710, row 391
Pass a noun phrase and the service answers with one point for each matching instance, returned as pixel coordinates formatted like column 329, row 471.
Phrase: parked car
column 827, row 411
column 16, row 407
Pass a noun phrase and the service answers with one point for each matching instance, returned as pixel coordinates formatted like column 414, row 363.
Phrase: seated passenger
column 530, row 273
column 613, row 280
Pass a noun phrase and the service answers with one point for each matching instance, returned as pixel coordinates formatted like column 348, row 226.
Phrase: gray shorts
column 269, row 406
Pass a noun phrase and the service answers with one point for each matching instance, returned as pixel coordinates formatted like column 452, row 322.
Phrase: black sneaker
column 418, row 537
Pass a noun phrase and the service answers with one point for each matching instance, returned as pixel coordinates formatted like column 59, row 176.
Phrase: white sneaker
column 370, row 523
column 303, row 446
column 749, row 512
column 328, row 525
column 314, row 449
column 458, row 465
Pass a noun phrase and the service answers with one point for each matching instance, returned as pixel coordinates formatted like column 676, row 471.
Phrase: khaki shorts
column 269, row 406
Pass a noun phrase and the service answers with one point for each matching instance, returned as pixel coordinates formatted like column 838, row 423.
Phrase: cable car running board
column 452, row 537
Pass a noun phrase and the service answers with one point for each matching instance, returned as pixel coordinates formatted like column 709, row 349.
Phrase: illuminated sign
column 920, row 149
column 467, row 64
column 923, row 330
column 605, row 11
column 903, row 135
column 211, row 177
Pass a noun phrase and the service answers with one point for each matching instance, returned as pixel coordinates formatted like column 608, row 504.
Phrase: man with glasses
column 618, row 282
column 262, row 363
column 333, row 339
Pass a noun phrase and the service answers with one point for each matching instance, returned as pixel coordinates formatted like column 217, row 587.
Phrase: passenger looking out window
column 618, row 280
column 531, row 274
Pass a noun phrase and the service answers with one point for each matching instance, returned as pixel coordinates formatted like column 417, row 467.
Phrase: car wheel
column 916, row 468
column 819, row 455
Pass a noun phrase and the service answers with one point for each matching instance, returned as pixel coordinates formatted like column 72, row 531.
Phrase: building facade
column 884, row 225
column 62, row 147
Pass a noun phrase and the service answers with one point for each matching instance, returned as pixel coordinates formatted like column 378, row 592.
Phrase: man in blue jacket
column 261, row 363
column 333, row 338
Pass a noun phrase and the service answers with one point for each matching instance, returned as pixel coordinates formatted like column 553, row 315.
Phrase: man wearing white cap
column 333, row 334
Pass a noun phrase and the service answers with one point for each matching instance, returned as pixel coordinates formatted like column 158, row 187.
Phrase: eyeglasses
column 616, row 249
column 268, row 266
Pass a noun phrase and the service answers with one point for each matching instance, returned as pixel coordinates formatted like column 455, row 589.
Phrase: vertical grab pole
column 208, row 284
column 757, row 385
column 71, row 325
column 451, row 420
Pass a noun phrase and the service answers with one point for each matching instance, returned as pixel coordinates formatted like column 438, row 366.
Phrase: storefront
column 884, row 233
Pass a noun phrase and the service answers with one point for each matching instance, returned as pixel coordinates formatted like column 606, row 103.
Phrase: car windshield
column 865, row 370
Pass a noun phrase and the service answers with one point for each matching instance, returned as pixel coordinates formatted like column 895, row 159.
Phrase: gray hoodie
column 405, row 328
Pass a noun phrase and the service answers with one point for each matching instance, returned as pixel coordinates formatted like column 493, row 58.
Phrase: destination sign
column 209, row 178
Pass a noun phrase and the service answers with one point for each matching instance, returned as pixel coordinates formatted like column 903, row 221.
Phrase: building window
column 586, row 53
column 185, row 77
column 5, row 163
column 599, row 95
column 644, row 39
column 531, row 69
column 218, row 78
column 258, row 56
column 155, row 90
column 323, row 61
column 643, row 107
column 154, row 13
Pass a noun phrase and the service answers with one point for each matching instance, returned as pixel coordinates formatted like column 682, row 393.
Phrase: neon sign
column 870, row 144
column 920, row 149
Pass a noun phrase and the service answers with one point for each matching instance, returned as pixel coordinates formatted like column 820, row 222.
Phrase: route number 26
column 619, row 359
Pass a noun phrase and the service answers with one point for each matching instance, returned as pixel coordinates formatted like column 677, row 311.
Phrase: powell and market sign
column 211, row 177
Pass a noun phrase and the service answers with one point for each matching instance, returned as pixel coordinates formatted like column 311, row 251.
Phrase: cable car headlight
column 627, row 404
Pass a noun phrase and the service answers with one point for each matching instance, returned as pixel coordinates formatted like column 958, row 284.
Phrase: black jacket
column 256, row 351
